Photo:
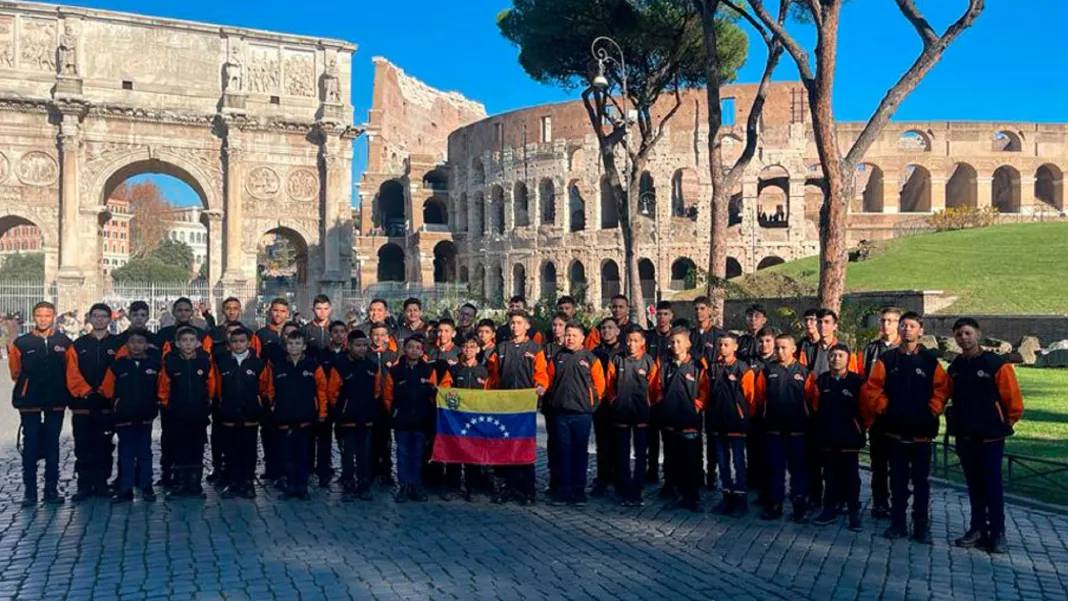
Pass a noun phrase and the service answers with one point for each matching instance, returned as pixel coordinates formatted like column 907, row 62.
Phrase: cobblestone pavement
column 324, row 549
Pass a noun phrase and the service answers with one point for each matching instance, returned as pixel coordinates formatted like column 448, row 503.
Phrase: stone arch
column 610, row 282
column 1049, row 186
column 477, row 223
column 299, row 245
column 869, row 184
column 35, row 239
column 461, row 213
column 465, row 275
column 477, row 283
column 609, row 209
column 576, row 279
column 575, row 159
column 478, row 172
column 435, row 212
column 735, row 209
column 962, row 187
column 520, row 205
column 734, row 268
column 915, row 195
column 914, row 140
column 519, row 280
column 576, row 207
column 162, row 162
column 444, row 262
column 1006, row 141
column 389, row 213
column 1005, row 189
column 683, row 274
column 773, row 197
column 815, row 195
column 548, row 280
column 646, row 195
column 391, row 263
column 496, row 220
column 496, row 292
column 685, row 192
column 547, row 199
column 770, row 261
column 436, row 179
column 647, row 277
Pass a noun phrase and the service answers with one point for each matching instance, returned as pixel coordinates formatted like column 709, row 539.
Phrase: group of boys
column 766, row 405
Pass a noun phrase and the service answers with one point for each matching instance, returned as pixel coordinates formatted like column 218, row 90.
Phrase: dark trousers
column 682, row 462
column 239, row 468
column 910, row 463
column 604, row 432
column 355, row 441
column 731, row 452
column 219, row 447
column 92, row 450
column 40, row 438
column 271, row 439
column 814, row 458
column 552, row 451
column 711, row 457
column 189, row 437
column 842, row 474
column 166, row 446
column 135, row 456
column 756, row 453
column 573, row 440
column 629, row 482
column 382, row 447
column 786, row 452
column 410, row 456
column 981, row 462
column 652, row 467
column 293, row 448
column 879, row 447
column 321, row 450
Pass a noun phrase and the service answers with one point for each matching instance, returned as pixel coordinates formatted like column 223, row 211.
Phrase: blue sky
column 1009, row 67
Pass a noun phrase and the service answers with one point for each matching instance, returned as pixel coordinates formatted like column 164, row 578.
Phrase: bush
column 962, row 218
column 150, row 270
column 23, row 267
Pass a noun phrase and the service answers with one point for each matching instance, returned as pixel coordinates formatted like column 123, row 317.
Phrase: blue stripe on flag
column 487, row 425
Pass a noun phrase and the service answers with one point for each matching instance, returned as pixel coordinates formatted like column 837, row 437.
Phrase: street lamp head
column 600, row 82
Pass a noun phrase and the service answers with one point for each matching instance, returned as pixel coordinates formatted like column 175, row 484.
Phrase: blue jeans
column 573, row 441
column 629, row 482
column 410, row 456
column 784, row 450
column 40, row 437
column 981, row 462
column 135, row 456
column 730, row 450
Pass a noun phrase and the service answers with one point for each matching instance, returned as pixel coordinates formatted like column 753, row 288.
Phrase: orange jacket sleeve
column 654, row 383
column 748, row 390
column 856, row 360
column 760, row 390
column 14, row 361
column 321, row 386
column 853, row 364
column 216, row 391
column 267, row 383
column 704, row 391
column 812, row 393
column 494, row 369
column 163, row 389
column 592, row 339
column 610, row 387
column 387, row 391
column 942, row 387
column 446, row 380
column 76, row 383
column 1005, row 379
column 867, row 415
column 213, row 383
column 597, row 373
column 802, row 358
column 107, row 387
column 541, row 372
column 333, row 387
column 207, row 343
column 872, row 394
column 256, row 345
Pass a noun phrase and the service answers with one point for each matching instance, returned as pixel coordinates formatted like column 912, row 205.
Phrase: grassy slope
column 1018, row 268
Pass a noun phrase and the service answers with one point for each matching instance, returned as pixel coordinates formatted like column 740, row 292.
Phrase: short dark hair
column 240, row 330
column 785, row 336
column 522, row 314
column 825, row 312
column 380, row 301
column 321, row 299
column 357, row 335
column 728, row 336
column 813, row 312
column 291, row 324
column 676, row 330
column 378, row 325
column 181, row 300
column 139, row 332
column 278, row 300
column 841, row 346
column 183, row 330
column 486, row 323
column 665, row 306
column 633, row 329
column 702, row 300
column 411, row 300
column 896, row 310
column 574, row 324
column 565, row 300
column 770, row 331
column 231, row 299
column 754, row 309
column 965, row 322
column 470, row 338
column 415, row 338
column 447, row 321
column 913, row 316
column 621, row 297
column 607, row 320
column 337, row 323
column 518, row 299
column 561, row 316
column 138, row 306
column 471, row 305
column 100, row 307
column 296, row 335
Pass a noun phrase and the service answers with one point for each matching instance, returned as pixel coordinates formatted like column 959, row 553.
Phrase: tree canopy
column 174, row 252
column 23, row 267
column 150, row 270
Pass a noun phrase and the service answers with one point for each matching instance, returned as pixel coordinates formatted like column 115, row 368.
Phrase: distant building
column 184, row 225
column 20, row 239
column 115, row 236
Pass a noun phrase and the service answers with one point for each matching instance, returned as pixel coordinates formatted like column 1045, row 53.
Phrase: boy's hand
column 540, row 390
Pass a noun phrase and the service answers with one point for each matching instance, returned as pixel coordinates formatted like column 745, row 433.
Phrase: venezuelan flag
column 486, row 427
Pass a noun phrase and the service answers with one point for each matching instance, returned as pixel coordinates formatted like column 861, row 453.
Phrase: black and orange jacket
column 518, row 365
column 806, row 350
column 749, row 349
column 908, row 391
column 153, row 340
column 682, row 391
column 132, row 387
column 871, row 353
column 166, row 337
column 88, row 359
column 462, row 375
column 504, row 334
column 577, row 382
column 986, row 401
column 356, row 402
column 705, row 343
column 38, row 364
column 318, row 336
column 593, row 339
column 630, row 388
column 298, row 393
column 409, row 394
column 328, row 357
column 780, row 398
column 237, row 388
column 839, row 415
column 658, row 344
column 815, row 357
column 267, row 342
column 731, row 400
column 186, row 385
column 442, row 357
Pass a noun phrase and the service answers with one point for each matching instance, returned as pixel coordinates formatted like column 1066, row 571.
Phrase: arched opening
column 478, row 172
column 389, row 209
column 734, row 268
column 478, row 215
column 461, row 213
column 436, row 180
column 646, row 195
column 521, row 205
column 769, row 262
column 577, row 279
column 575, row 159
column 22, row 259
column 870, row 183
column 1049, row 186
column 914, row 141
column 391, row 266
column 281, row 262
column 576, row 207
column 962, row 187
column 609, row 210
column 497, row 209
column 815, row 195
column 683, row 274
column 609, row 281
column 519, row 280
column 477, row 284
column 647, row 277
column 435, row 213
column 915, row 194
column 547, row 199
column 497, row 285
column 773, row 197
column 735, row 209
column 1006, row 189
column 444, row 262
column 1006, row 141
column 548, row 281
column 465, row 275
column 685, row 190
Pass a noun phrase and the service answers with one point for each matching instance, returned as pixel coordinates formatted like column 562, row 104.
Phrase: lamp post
column 601, row 48
column 647, row 207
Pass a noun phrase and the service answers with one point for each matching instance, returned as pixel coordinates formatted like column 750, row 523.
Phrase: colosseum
column 514, row 203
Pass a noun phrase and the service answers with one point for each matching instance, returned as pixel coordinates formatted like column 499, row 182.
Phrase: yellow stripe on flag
column 488, row 401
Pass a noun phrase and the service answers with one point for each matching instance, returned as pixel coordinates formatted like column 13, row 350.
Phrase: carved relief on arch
column 262, row 182
column 38, row 45
column 302, row 184
column 5, row 167
column 37, row 168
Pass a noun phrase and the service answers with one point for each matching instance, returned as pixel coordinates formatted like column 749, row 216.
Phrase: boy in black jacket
column 186, row 385
column 730, row 405
column 468, row 373
column 604, row 430
column 240, row 409
column 321, row 451
column 629, row 398
column 356, row 409
column 382, row 437
column 408, row 393
column 131, row 385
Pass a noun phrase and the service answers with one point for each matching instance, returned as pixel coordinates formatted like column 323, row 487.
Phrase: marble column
column 234, row 273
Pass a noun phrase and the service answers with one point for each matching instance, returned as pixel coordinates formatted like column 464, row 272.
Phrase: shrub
column 962, row 218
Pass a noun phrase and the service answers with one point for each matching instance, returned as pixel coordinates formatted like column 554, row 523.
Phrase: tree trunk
column 633, row 286
column 626, row 225
column 720, row 205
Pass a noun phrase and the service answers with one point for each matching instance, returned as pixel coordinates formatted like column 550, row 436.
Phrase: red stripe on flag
column 482, row 451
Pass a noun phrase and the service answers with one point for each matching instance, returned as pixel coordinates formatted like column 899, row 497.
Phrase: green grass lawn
column 1016, row 269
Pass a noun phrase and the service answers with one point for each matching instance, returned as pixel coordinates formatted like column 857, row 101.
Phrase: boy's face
column 609, row 332
column 238, row 343
column 380, row 338
column 766, row 346
column 827, row 327
column 467, row 317
column 138, row 318
column 635, row 344
column 784, row 350
column 517, row 305
column 99, row 320
column 680, row 345
column 338, row 335
column 573, row 338
column 183, row 312
column 287, row 330
column 727, row 347
column 294, row 347
column 558, row 326
column 187, row 343
column 359, row 347
column 413, row 350
column 413, row 313
column 619, row 309
column 432, row 334
column 446, row 333
column 888, row 324
column 664, row 318
column 911, row 330
column 755, row 320
column 967, row 338
column 519, row 326
column 376, row 312
column 279, row 314
column 232, row 311
column 322, row 311
column 811, row 326
column 567, row 309
column 485, row 334
column 136, row 345
column 470, row 350
column 839, row 360
column 43, row 318
column 703, row 311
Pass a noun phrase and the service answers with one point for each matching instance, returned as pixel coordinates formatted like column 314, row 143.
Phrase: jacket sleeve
column 592, row 339
column 872, row 394
column 541, row 372
column 494, row 369
column 333, row 387
column 256, row 345
column 213, row 381
column 216, row 389
column 14, row 361
column 942, row 387
column 654, row 383
column 446, row 380
column 206, row 343
column 610, row 389
column 76, row 384
column 704, row 391
column 267, row 383
column 812, row 393
column 748, row 390
column 1009, row 389
column 387, row 391
column 802, row 358
column 107, row 387
column 163, row 389
column 597, row 374
column 858, row 360
column 854, row 364
column 760, row 390
column 321, row 385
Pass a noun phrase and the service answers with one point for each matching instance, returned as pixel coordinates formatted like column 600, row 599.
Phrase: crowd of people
column 688, row 406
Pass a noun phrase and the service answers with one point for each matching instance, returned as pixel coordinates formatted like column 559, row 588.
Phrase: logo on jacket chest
column 690, row 378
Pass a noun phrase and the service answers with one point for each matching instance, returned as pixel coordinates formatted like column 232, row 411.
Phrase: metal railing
column 1024, row 473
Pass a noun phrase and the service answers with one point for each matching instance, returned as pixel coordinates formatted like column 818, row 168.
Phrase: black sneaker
column 579, row 500
column 324, row 482
column 416, row 494
column 854, row 521
column 800, row 515
column 386, row 481
column 364, row 495
column 148, row 495
column 922, row 535
column 772, row 512
column 123, row 497
column 29, row 500
column 228, row 493
column 741, row 506
column 401, row 494
column 665, row 493
column 996, row 544
column 725, row 505
column 176, row 492
column 599, row 490
column 248, row 492
column 880, row 512
column 826, row 517
column 83, row 494
column 692, row 504
column 970, row 539
column 896, row 532
column 52, row 498
column 212, row 478
column 284, row 496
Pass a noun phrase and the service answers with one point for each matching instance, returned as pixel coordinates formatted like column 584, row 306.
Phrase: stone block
column 1054, row 358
